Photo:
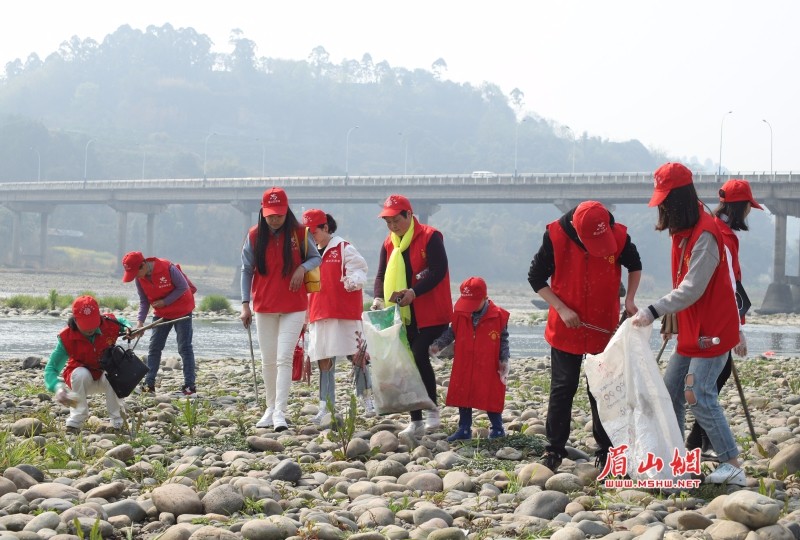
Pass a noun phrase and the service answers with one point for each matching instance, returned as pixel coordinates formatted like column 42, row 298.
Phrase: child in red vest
column 480, row 359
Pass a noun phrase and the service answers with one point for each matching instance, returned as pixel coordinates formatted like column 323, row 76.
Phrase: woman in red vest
column 413, row 273
column 334, row 313
column 708, row 321
column 735, row 201
column 80, row 347
column 275, row 257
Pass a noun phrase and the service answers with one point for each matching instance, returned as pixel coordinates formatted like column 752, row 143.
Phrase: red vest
column 84, row 353
column 715, row 313
column 159, row 285
column 436, row 306
column 271, row 293
column 587, row 285
column 333, row 301
column 474, row 381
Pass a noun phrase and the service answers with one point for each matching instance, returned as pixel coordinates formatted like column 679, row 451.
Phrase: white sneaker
column 415, row 428
column 266, row 420
column 279, row 421
column 369, row 406
column 323, row 410
column 432, row 419
column 727, row 474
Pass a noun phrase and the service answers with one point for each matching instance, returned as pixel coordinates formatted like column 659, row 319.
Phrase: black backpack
column 124, row 370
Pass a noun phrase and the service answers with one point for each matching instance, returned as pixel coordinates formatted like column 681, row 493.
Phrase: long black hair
column 680, row 210
column 735, row 212
column 263, row 235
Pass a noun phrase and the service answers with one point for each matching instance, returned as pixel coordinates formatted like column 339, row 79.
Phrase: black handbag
column 124, row 370
column 742, row 300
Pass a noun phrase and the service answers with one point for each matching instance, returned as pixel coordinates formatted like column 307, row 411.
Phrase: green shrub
column 114, row 303
column 215, row 302
column 27, row 301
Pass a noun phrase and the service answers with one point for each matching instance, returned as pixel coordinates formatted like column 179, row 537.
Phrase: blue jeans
column 158, row 338
column 698, row 376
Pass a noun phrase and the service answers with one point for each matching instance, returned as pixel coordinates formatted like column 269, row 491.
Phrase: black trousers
column 697, row 435
column 420, row 339
column 564, row 379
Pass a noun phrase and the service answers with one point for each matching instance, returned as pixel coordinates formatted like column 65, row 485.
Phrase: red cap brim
column 129, row 275
column 468, row 305
column 658, row 197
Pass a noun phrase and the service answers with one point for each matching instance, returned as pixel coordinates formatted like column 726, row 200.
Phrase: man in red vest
column 582, row 255
column 164, row 286
column 413, row 273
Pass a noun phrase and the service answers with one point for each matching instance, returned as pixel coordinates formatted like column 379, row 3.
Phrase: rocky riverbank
column 199, row 468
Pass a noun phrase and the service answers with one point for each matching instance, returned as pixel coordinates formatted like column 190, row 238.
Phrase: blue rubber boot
column 464, row 431
column 497, row 431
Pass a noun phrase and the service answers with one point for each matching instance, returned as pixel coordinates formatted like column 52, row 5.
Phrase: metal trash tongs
column 139, row 331
column 597, row 328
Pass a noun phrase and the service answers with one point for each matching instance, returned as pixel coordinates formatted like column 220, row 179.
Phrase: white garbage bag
column 633, row 402
column 396, row 383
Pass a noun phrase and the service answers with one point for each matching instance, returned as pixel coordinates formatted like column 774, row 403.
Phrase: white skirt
column 332, row 337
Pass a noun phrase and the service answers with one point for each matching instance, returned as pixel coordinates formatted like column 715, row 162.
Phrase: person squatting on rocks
column 735, row 201
column 582, row 254
column 74, row 364
column 334, row 312
column 166, row 288
column 705, row 305
column 413, row 273
column 272, row 275
column 480, row 358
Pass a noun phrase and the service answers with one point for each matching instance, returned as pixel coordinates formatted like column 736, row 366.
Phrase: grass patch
column 215, row 302
column 27, row 301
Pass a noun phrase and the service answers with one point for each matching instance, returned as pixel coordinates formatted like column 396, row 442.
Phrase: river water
column 36, row 336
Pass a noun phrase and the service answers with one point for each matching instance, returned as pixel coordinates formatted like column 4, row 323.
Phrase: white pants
column 277, row 337
column 84, row 385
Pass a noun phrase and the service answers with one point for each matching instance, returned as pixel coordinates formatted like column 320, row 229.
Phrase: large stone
column 223, row 500
column 272, row 528
column 534, row 474
column 106, row 491
column 787, row 461
column 357, row 448
column 378, row 516
column 424, row 514
column 45, row 520
column 564, row 482
column 123, row 452
column 458, row 480
column 687, row 520
column 545, row 505
column 424, row 481
column 568, row 533
column 27, row 427
column 363, row 487
column 262, row 444
column 386, row 467
column 53, row 490
column 125, row 507
column 177, row 499
column 287, row 470
column 724, row 529
column 774, row 532
column 448, row 533
column 20, row 478
column 385, row 441
column 6, row 486
column 751, row 509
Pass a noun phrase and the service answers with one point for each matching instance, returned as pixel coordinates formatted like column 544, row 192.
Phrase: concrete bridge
column 779, row 192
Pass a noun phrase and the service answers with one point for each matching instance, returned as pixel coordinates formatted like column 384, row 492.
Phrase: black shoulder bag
column 124, row 370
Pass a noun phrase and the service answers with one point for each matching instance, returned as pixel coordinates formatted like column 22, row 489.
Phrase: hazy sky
column 663, row 72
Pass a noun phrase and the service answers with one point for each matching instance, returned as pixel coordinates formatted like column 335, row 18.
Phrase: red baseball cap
column 393, row 205
column 668, row 177
column 473, row 293
column 314, row 218
column 131, row 262
column 738, row 190
column 274, row 202
column 592, row 222
column 86, row 313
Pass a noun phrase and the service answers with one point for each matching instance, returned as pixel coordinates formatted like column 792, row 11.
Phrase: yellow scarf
column 395, row 277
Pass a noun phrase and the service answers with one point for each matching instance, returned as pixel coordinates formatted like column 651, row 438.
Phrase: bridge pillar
column 424, row 211
column 151, row 221
column 565, row 205
column 122, row 230
column 43, row 239
column 247, row 209
column 778, row 298
column 16, row 235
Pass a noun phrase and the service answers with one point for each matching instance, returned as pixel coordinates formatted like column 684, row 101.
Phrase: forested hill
column 159, row 93
column 160, row 103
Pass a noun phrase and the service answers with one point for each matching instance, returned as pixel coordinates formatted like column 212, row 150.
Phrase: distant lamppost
column 405, row 154
column 86, row 158
column 572, row 136
column 205, row 153
column 721, row 124
column 516, row 143
column 770, row 144
column 347, row 152
column 38, row 164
